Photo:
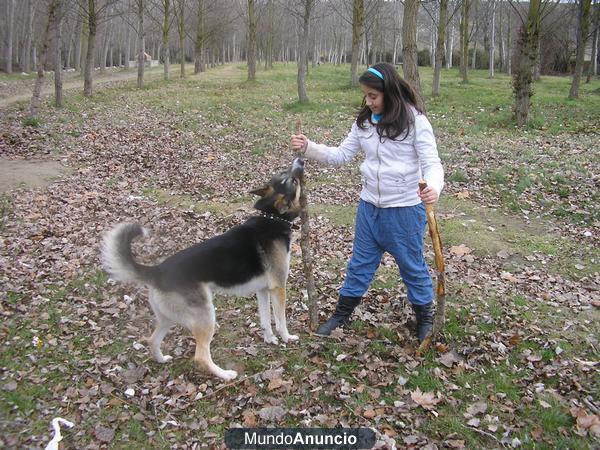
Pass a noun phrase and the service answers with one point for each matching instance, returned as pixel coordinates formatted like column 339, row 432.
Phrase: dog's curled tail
column 117, row 258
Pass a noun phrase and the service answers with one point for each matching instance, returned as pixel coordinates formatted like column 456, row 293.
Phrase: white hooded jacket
column 392, row 168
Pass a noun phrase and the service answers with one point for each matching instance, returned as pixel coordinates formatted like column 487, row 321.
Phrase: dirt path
column 99, row 81
column 31, row 173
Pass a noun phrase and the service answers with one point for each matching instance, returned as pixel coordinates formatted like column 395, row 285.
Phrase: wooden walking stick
column 307, row 264
column 440, row 312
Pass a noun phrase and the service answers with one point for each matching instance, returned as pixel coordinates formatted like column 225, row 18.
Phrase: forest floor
column 516, row 367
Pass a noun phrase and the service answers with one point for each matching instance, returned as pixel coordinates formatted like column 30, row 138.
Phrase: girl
column 400, row 149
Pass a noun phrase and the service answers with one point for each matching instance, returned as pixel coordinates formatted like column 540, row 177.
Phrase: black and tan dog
column 251, row 258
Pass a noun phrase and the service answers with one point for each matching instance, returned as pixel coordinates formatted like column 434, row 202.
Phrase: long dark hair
column 398, row 97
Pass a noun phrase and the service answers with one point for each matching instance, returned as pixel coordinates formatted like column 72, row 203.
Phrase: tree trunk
column 439, row 51
column 127, row 47
column 58, row 82
column 270, row 34
column 501, row 49
column 106, row 43
column 593, row 70
column 409, row 48
column 358, row 18
column 474, row 59
column 582, row 35
column 464, row 40
column 527, row 48
column 181, row 31
column 199, row 45
column 508, row 43
column 251, row 41
column 302, row 52
column 492, row 47
column 37, row 87
column 165, row 38
column 91, row 48
column 29, row 37
column 449, row 46
column 8, row 59
column 142, row 44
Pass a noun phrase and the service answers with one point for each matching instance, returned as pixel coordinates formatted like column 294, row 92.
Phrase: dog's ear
column 261, row 192
column 281, row 204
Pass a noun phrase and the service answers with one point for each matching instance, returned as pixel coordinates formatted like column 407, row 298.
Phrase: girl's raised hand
column 428, row 195
column 299, row 142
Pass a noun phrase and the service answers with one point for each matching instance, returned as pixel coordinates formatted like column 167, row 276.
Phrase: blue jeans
column 398, row 231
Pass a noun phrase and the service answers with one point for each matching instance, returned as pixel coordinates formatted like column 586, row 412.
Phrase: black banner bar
column 300, row 438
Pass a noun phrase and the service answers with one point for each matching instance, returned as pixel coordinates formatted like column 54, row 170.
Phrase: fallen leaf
column 249, row 418
column 369, row 413
column 449, row 359
column 104, row 434
column 544, row 404
column 272, row 413
column 474, row 422
column 275, row 383
column 477, row 408
column 460, row 250
column 426, row 400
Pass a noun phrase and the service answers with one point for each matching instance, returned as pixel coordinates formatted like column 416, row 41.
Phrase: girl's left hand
column 428, row 195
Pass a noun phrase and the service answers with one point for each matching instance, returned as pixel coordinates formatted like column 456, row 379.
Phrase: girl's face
column 373, row 99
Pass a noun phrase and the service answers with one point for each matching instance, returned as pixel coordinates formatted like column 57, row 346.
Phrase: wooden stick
column 440, row 313
column 305, row 246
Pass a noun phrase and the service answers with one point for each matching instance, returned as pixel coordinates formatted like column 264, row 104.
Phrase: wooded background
column 526, row 39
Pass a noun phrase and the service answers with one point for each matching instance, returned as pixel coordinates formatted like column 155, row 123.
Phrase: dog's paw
column 271, row 340
column 163, row 359
column 227, row 375
column 290, row 338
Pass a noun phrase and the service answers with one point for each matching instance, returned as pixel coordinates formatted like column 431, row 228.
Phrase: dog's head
column 281, row 196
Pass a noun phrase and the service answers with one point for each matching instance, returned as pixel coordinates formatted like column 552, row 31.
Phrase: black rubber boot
column 424, row 314
column 341, row 316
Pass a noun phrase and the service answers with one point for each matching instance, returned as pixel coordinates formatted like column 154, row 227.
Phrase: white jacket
column 392, row 169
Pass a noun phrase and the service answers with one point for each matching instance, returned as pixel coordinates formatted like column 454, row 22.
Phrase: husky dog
column 251, row 258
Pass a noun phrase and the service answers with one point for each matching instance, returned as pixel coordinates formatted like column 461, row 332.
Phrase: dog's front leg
column 278, row 296
column 264, row 312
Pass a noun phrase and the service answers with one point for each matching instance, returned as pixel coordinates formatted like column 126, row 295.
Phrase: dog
column 250, row 258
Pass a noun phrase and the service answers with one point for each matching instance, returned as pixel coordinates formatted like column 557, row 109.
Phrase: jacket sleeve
column 426, row 148
column 335, row 155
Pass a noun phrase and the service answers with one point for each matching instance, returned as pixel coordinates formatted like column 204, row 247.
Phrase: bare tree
column 141, row 60
column 439, row 50
column 95, row 13
column 302, row 51
column 358, row 18
column 200, row 38
column 582, row 36
column 409, row 48
column 28, row 37
column 464, row 40
column 527, row 48
column 10, row 14
column 593, row 69
column 53, row 12
column 180, row 14
column 166, row 28
column 270, row 34
column 58, row 82
column 251, row 41
column 492, row 38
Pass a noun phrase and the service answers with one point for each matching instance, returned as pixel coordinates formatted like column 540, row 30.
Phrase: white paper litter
column 53, row 444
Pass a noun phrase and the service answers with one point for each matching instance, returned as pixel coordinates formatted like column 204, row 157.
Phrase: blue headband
column 376, row 72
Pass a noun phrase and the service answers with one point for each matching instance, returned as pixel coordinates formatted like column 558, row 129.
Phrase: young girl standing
column 400, row 149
